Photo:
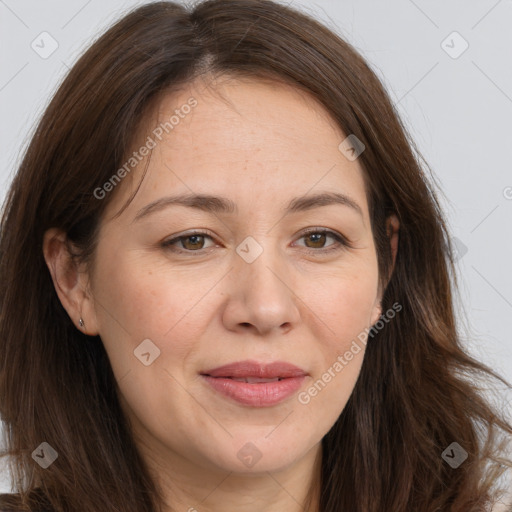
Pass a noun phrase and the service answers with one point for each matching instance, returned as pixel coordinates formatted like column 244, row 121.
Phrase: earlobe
column 70, row 284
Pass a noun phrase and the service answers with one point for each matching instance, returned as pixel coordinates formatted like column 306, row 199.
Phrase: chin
column 261, row 453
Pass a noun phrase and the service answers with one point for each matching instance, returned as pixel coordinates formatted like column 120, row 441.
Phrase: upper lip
column 241, row 369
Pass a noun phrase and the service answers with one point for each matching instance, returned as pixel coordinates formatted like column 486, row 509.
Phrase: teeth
column 254, row 380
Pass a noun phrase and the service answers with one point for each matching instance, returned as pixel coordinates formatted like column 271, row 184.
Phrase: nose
column 262, row 298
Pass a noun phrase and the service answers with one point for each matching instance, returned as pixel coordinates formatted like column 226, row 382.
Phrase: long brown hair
column 417, row 392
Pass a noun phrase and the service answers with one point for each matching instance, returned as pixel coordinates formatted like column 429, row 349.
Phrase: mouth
column 255, row 384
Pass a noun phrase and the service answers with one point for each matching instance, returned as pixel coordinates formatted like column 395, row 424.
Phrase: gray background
column 457, row 106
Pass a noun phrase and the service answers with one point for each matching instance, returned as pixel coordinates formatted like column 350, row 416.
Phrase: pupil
column 317, row 236
column 194, row 239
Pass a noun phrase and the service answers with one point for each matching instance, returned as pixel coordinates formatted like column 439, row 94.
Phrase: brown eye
column 316, row 240
column 193, row 242
column 196, row 242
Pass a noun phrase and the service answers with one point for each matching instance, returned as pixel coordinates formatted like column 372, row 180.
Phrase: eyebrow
column 218, row 204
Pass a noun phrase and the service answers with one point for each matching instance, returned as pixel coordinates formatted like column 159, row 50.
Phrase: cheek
column 140, row 302
column 344, row 303
column 146, row 295
column 344, row 308
column 328, row 393
column 136, row 302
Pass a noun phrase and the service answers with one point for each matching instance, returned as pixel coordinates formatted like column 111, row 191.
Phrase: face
column 180, row 290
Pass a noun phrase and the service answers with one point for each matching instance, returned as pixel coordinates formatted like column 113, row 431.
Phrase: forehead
column 242, row 113
column 244, row 138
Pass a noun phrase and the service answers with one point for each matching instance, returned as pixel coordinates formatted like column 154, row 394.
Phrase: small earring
column 81, row 322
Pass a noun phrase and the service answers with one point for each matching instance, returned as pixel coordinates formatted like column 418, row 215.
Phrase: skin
column 259, row 144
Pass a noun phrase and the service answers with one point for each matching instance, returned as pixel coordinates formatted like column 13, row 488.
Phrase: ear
column 376, row 311
column 392, row 230
column 71, row 282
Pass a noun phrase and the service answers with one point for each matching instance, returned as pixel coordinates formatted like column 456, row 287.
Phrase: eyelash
column 342, row 242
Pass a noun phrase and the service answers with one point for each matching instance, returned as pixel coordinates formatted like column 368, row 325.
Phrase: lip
column 263, row 394
column 249, row 368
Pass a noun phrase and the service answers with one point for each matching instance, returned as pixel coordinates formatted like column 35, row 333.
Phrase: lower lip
column 263, row 394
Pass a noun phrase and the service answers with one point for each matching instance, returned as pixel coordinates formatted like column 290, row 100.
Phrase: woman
column 178, row 331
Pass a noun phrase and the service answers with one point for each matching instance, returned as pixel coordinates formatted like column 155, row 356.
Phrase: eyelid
column 167, row 244
column 342, row 241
